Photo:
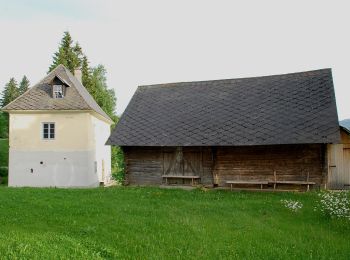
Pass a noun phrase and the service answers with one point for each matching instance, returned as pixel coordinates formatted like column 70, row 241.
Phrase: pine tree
column 10, row 92
column 67, row 54
column 86, row 75
column 23, row 85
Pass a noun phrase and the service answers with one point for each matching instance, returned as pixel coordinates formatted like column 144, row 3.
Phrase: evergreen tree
column 67, row 54
column 23, row 85
column 86, row 75
column 10, row 92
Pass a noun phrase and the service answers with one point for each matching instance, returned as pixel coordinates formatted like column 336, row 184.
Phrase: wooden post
column 274, row 174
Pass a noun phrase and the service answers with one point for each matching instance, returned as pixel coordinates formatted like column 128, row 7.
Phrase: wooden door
column 181, row 161
column 346, row 167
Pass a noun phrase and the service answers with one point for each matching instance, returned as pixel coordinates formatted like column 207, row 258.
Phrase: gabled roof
column 39, row 96
column 281, row 109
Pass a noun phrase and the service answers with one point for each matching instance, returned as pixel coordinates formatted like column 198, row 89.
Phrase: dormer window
column 58, row 91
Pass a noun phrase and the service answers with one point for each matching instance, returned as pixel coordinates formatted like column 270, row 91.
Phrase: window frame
column 49, row 138
column 54, row 91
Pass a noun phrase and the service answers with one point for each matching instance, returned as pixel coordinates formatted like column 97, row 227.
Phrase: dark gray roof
column 39, row 96
column 281, row 109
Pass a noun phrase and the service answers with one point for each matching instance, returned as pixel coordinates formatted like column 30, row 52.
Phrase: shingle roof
column 280, row 109
column 39, row 96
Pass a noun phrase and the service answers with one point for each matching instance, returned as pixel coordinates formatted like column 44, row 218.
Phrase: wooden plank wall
column 291, row 162
column 339, row 163
column 216, row 165
column 146, row 165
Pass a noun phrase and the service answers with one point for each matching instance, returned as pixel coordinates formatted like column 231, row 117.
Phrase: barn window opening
column 48, row 131
column 58, row 91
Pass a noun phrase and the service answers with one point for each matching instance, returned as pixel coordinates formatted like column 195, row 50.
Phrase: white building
column 57, row 135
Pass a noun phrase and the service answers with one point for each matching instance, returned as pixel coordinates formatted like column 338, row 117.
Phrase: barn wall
column 339, row 163
column 216, row 165
column 146, row 165
column 291, row 162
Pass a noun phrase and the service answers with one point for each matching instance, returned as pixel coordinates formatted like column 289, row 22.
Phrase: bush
column 3, row 125
column 118, row 165
column 3, row 175
column 334, row 204
column 3, row 172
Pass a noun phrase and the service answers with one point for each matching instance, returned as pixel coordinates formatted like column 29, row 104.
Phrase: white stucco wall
column 68, row 160
column 101, row 131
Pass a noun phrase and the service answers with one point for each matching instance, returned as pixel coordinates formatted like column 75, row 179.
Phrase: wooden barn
column 339, row 161
column 271, row 132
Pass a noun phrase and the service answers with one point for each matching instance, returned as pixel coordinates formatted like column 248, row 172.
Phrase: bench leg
column 166, row 181
column 261, row 186
column 231, row 186
column 308, row 187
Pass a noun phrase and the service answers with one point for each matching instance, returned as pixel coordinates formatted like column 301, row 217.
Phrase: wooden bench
column 261, row 183
column 192, row 177
column 307, row 182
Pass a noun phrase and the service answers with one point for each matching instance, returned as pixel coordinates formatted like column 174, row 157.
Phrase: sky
column 150, row 42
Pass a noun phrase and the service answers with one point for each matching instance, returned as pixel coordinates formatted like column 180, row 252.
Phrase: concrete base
column 52, row 169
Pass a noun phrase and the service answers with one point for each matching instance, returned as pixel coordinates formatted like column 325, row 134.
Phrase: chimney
column 78, row 74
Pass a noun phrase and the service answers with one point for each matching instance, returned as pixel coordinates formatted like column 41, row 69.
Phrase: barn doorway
column 346, row 167
column 182, row 165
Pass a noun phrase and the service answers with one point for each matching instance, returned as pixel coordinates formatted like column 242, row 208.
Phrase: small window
column 48, row 131
column 58, row 91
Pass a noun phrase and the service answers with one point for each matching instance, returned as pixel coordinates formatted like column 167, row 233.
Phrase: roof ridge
column 169, row 84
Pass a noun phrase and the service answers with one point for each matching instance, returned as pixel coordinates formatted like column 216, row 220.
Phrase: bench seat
column 192, row 177
column 295, row 182
column 261, row 183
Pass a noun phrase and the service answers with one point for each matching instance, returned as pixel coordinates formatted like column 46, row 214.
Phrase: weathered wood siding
column 291, row 162
column 146, row 165
column 339, row 163
column 216, row 165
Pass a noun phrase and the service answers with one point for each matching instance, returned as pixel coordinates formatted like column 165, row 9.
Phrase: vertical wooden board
column 173, row 161
column 346, row 167
column 192, row 161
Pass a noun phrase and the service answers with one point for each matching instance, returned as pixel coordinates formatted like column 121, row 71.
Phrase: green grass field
column 152, row 223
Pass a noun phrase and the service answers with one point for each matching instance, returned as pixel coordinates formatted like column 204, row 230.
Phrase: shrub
column 292, row 205
column 118, row 165
column 3, row 171
column 334, row 204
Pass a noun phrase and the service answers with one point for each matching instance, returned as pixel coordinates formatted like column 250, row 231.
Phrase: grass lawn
column 157, row 223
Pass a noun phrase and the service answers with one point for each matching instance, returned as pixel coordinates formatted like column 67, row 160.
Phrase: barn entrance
column 346, row 169
column 182, row 165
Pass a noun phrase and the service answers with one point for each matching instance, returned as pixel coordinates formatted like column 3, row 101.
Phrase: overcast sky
column 148, row 42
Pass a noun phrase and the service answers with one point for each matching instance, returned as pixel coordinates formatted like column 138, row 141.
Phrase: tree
column 23, row 85
column 10, row 92
column 86, row 75
column 68, row 55
column 104, row 97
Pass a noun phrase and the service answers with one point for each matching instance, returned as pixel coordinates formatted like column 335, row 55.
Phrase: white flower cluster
column 293, row 205
column 334, row 204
